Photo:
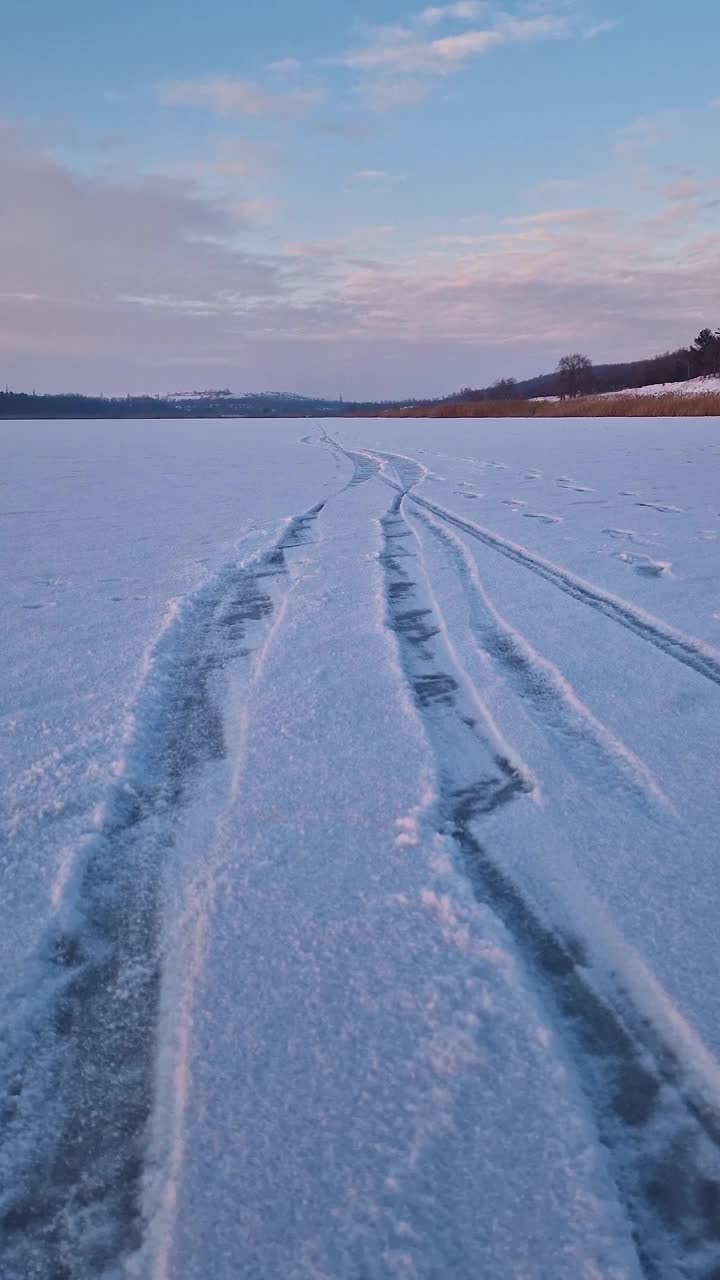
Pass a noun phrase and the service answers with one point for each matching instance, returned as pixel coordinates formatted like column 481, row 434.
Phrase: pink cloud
column 116, row 286
column 229, row 96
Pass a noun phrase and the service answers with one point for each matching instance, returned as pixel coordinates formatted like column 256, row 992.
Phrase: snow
column 691, row 387
column 358, row 878
column 706, row 385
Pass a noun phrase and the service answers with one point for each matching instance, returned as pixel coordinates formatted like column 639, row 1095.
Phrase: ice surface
column 358, row 830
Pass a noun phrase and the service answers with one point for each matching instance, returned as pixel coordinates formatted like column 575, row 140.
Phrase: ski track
column 659, row 1121
column 77, row 1053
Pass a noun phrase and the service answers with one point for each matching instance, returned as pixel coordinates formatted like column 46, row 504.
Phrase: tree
column 705, row 352
column 574, row 375
column 504, row 389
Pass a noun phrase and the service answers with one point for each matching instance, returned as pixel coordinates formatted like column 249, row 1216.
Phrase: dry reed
column 616, row 406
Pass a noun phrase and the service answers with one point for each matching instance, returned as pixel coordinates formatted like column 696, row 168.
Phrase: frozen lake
column 358, row 849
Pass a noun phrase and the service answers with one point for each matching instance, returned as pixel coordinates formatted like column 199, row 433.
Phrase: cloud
column 239, row 158
column 409, row 56
column 674, row 220
column 685, row 189
column 398, row 62
column 84, row 245
column 385, row 95
column 323, row 249
column 647, row 131
column 445, row 54
column 127, row 286
column 537, row 290
column 558, row 217
column 256, row 209
column 284, row 66
column 371, row 175
column 228, row 96
column 462, row 10
column 600, row 29
column 554, row 185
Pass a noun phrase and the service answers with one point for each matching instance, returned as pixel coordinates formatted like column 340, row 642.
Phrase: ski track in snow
column 78, row 1047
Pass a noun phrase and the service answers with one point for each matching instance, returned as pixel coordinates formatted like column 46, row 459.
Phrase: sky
column 366, row 198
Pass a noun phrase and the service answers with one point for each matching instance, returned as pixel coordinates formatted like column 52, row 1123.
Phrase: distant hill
column 281, row 404
column 195, row 404
column 702, row 357
column 668, row 368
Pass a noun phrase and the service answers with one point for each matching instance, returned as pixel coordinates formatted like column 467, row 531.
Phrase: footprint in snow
column 661, row 506
column 645, row 565
column 566, row 482
column 543, row 516
column 629, row 535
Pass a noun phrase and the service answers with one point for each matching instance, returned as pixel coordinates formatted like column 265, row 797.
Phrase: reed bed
column 609, row 406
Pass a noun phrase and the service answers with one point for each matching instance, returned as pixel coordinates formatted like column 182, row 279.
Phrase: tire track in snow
column 365, row 466
column 657, row 1112
column 657, row 1115
column 480, row 772
column 542, row 685
column 689, row 650
column 77, row 1047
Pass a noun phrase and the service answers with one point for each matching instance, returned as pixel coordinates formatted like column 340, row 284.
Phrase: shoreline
column 617, row 405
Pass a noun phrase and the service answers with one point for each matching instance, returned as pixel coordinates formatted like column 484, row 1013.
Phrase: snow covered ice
column 358, row 867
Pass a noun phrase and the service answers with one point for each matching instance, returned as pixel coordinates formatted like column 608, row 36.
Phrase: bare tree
column 574, row 371
column 504, row 389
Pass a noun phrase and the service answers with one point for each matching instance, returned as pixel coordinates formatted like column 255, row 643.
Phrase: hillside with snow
column 691, row 387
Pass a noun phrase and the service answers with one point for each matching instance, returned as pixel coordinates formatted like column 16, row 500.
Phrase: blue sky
column 368, row 198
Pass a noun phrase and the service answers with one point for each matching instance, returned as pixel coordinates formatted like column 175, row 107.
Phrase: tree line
column 576, row 375
column 21, row 404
